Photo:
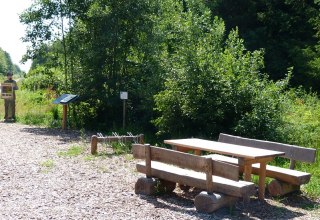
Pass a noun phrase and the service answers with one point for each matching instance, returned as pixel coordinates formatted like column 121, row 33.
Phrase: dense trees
column 6, row 63
column 288, row 30
column 213, row 84
column 178, row 58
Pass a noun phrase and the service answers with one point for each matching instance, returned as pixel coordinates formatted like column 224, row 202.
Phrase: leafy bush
column 42, row 78
column 212, row 87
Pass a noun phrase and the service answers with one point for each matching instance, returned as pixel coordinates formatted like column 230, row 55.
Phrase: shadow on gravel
column 257, row 209
column 64, row 135
column 184, row 203
column 298, row 200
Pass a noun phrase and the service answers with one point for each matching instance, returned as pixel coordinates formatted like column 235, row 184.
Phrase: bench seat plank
column 198, row 179
column 291, row 176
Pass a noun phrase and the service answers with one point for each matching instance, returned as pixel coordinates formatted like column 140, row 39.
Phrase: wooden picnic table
column 246, row 155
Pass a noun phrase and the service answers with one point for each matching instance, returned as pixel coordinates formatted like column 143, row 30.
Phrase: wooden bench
column 171, row 167
column 286, row 179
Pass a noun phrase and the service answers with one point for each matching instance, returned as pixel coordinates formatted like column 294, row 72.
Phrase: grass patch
column 72, row 152
column 121, row 148
column 103, row 169
column 89, row 157
column 129, row 157
column 47, row 165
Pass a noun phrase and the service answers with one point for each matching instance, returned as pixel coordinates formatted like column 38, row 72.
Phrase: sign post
column 65, row 99
column 124, row 97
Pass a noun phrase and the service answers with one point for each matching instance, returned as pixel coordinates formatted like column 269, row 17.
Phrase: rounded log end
column 208, row 203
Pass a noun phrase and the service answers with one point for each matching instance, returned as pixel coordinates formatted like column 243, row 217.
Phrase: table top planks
column 223, row 148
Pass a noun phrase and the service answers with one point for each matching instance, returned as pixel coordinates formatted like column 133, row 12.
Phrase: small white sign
column 123, row 95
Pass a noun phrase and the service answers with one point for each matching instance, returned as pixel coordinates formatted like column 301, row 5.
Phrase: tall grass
column 36, row 108
column 302, row 128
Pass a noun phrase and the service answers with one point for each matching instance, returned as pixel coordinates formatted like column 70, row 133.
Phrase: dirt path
column 38, row 182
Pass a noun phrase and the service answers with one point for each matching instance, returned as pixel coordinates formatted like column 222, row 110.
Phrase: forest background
column 192, row 68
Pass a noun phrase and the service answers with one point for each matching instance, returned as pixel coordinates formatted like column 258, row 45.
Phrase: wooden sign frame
column 7, row 90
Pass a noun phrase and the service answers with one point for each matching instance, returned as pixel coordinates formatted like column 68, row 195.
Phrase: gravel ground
column 37, row 182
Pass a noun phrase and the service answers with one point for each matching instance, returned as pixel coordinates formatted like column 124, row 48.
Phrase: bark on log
column 145, row 186
column 210, row 203
column 279, row 188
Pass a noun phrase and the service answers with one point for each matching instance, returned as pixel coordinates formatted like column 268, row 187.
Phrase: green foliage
column 301, row 127
column 36, row 108
column 302, row 118
column 264, row 118
column 47, row 165
column 72, row 151
column 6, row 64
column 41, row 78
column 211, row 86
column 121, row 148
column 287, row 30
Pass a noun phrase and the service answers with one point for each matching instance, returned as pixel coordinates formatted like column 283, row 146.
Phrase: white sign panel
column 123, row 95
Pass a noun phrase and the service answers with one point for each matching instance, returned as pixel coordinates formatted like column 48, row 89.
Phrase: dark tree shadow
column 62, row 135
column 298, row 200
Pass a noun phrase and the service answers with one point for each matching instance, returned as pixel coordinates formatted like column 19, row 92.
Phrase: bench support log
column 279, row 188
column 208, row 203
column 145, row 186
column 152, row 186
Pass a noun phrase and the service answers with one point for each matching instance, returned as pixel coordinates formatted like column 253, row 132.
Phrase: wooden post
column 209, row 173
column 247, row 169
column 197, row 152
column 262, row 178
column 94, row 144
column 124, row 114
column 292, row 164
column 64, row 117
column 148, row 160
column 141, row 138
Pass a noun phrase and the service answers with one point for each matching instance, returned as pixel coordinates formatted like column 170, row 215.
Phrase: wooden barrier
column 109, row 139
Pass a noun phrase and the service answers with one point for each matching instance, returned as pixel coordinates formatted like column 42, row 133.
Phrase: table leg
column 197, row 152
column 247, row 172
column 262, row 178
column 247, row 177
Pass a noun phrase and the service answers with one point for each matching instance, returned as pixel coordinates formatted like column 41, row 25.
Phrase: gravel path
column 38, row 182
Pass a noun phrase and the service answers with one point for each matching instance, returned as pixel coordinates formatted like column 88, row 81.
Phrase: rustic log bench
column 286, row 180
column 164, row 168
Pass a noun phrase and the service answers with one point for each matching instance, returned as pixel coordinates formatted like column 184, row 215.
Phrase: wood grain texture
column 209, row 203
column 197, row 179
column 187, row 161
column 291, row 151
column 223, row 148
column 279, row 188
column 294, row 177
